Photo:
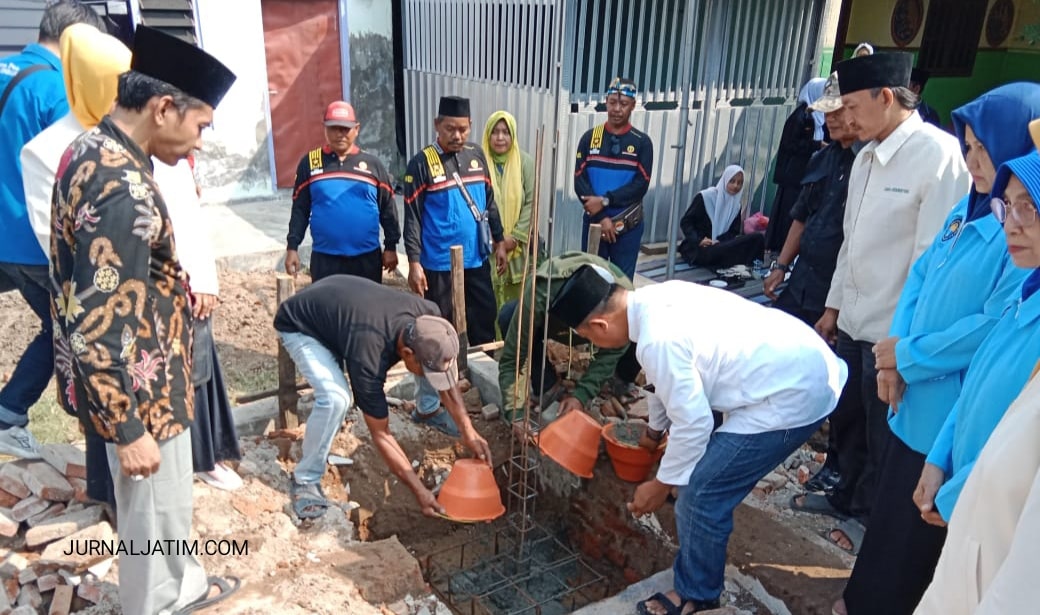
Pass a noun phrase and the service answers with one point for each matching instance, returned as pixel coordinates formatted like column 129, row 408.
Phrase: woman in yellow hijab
column 512, row 178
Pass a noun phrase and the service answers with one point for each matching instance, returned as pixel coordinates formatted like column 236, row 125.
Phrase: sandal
column 439, row 420
column 670, row 608
column 854, row 533
column 226, row 586
column 308, row 501
column 817, row 504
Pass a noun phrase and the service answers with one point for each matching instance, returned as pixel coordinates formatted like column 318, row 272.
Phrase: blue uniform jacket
column 36, row 102
column 436, row 215
column 344, row 203
column 998, row 372
column 618, row 167
column 953, row 297
column 958, row 288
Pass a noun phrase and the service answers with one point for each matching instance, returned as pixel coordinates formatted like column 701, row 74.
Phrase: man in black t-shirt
column 368, row 327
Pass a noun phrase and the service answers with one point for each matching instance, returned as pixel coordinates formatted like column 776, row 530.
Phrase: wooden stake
column 595, row 234
column 458, row 303
column 287, row 396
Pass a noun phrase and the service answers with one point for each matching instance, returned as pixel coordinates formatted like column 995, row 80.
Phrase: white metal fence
column 750, row 59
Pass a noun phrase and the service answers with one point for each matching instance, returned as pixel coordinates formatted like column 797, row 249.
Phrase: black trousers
column 900, row 551
column 480, row 300
column 368, row 265
column 741, row 250
column 787, row 303
column 859, row 430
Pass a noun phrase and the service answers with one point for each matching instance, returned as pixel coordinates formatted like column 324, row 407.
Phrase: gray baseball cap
column 831, row 99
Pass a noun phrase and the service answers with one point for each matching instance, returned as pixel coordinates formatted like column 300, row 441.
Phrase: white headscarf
column 811, row 91
column 723, row 207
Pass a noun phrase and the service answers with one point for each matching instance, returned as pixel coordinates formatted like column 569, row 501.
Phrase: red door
column 302, row 44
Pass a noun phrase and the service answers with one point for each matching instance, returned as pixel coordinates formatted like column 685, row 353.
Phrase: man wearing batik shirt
column 122, row 311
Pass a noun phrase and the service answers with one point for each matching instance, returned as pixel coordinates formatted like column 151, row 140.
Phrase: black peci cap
column 880, row 70
column 180, row 64
column 587, row 287
column 453, row 106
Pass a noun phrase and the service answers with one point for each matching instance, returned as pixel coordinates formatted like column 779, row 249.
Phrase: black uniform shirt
column 359, row 322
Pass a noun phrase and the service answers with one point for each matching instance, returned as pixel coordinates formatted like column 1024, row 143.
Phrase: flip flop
column 439, row 420
column 854, row 533
column 817, row 504
column 670, row 608
column 306, row 497
column 226, row 586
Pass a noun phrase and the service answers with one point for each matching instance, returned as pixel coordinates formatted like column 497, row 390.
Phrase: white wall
column 235, row 162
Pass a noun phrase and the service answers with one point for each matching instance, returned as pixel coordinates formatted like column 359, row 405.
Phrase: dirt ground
column 292, row 567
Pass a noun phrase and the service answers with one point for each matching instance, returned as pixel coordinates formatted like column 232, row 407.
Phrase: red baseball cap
column 340, row 113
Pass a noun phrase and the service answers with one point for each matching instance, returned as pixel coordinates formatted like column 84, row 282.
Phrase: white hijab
column 723, row 207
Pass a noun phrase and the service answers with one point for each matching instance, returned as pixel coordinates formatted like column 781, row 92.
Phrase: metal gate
column 548, row 62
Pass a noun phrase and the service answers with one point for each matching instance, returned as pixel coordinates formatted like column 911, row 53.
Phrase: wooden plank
column 287, row 396
column 458, row 303
column 595, row 234
column 653, row 249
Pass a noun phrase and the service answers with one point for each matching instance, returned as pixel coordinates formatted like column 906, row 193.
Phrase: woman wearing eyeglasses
column 1000, row 369
column 712, row 226
column 954, row 295
column 512, row 178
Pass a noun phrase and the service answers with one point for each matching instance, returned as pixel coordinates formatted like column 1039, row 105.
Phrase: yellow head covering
column 509, row 185
column 1034, row 129
column 91, row 62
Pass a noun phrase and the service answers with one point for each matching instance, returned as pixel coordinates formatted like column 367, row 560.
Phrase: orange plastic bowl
column 631, row 463
column 573, row 442
column 470, row 492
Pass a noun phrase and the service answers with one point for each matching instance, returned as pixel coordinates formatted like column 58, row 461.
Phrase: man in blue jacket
column 611, row 176
column 32, row 97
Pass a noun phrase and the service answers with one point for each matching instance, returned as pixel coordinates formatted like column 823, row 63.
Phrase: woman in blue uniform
column 954, row 296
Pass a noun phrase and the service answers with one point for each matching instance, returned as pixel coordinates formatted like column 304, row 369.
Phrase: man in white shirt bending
column 705, row 349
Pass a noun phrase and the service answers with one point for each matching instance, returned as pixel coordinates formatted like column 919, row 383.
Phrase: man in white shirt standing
column 902, row 185
column 706, row 349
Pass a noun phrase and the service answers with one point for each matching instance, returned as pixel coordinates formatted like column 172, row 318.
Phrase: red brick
column 63, row 525
column 54, row 554
column 30, row 596
column 8, row 526
column 803, row 474
column 631, row 576
column 12, row 588
column 27, row 576
column 12, row 479
column 7, row 500
column 28, row 507
column 90, row 591
column 616, row 556
column 54, row 509
column 47, row 582
column 80, row 486
column 66, row 459
column 47, row 483
column 61, row 603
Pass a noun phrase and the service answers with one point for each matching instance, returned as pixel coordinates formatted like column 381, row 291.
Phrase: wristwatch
column 778, row 265
column 606, row 201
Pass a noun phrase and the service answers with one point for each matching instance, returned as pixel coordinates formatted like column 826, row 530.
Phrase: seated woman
column 712, row 226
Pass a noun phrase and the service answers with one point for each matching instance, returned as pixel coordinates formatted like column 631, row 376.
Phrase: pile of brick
column 45, row 514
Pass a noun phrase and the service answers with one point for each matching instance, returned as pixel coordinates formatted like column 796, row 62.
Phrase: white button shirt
column 900, row 192
column 703, row 348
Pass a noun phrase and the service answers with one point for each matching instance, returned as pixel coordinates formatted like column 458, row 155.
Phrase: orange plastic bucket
column 631, row 463
column 470, row 492
column 573, row 442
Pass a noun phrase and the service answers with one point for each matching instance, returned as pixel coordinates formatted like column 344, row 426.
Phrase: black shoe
column 825, row 480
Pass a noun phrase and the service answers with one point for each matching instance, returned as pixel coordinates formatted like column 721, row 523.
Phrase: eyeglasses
column 615, row 145
column 1024, row 212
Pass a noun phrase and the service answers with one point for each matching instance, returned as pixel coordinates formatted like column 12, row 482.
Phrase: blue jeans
column 427, row 399
column 34, row 369
column 731, row 466
column 332, row 399
column 623, row 253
